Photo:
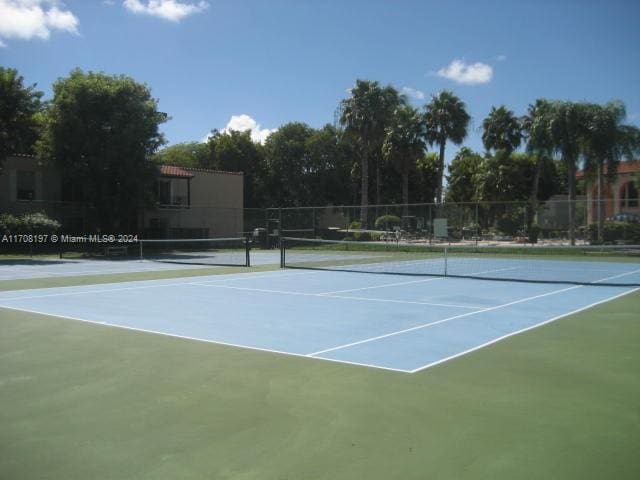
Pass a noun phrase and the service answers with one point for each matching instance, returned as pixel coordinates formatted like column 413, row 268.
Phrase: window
column 629, row 195
column 26, row 183
column 164, row 192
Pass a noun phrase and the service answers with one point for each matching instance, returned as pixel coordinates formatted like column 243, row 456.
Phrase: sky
column 216, row 64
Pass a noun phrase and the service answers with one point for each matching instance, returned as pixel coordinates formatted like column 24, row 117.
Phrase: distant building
column 619, row 193
column 190, row 202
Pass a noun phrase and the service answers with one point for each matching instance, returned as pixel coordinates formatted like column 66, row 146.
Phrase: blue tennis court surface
column 385, row 321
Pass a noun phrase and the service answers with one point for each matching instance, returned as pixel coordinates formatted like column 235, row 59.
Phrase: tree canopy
column 20, row 114
column 446, row 120
column 101, row 131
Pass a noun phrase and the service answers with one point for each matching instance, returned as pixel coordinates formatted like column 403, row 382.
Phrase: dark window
column 26, row 183
column 164, row 192
column 629, row 197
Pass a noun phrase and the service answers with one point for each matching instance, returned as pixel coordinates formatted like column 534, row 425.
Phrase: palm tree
column 404, row 144
column 502, row 130
column 606, row 141
column 567, row 125
column 537, row 130
column 391, row 100
column 446, row 119
column 364, row 115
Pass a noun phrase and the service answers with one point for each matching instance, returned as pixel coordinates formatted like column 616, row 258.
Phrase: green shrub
column 28, row 224
column 616, row 232
column 358, row 236
column 387, row 222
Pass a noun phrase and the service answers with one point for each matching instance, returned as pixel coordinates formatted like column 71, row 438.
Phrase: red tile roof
column 173, row 171
column 629, row 166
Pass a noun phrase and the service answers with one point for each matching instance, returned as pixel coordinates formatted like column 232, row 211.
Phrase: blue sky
column 262, row 63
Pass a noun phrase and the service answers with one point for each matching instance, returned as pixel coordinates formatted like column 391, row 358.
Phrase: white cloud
column 413, row 93
column 242, row 123
column 469, row 74
column 172, row 10
column 501, row 58
column 27, row 19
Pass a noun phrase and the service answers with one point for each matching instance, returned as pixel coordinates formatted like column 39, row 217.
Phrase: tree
column 392, row 100
column 188, row 154
column 502, row 130
column 463, row 178
column 101, row 131
column 404, row 144
column 235, row 151
column 20, row 110
column 287, row 166
column 606, row 142
column 364, row 116
column 446, row 119
column 424, row 181
column 330, row 165
column 507, row 177
column 537, row 131
column 567, row 127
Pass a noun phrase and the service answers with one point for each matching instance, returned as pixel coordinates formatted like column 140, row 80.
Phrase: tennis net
column 580, row 265
column 198, row 251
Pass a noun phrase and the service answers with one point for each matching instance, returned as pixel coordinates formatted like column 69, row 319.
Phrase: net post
column 446, row 259
column 247, row 251
column 282, row 253
column 141, row 254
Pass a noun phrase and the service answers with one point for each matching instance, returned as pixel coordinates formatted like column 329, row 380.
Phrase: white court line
column 499, row 339
column 324, row 295
column 437, row 322
column 176, row 283
column 430, row 324
column 432, row 279
column 184, row 337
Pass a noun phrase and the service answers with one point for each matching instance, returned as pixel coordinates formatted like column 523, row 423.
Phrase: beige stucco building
column 191, row 202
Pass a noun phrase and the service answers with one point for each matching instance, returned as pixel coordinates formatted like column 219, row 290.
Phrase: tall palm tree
column 446, row 119
column 364, row 115
column 502, row 130
column 537, row 131
column 391, row 100
column 567, row 127
column 606, row 142
column 404, row 144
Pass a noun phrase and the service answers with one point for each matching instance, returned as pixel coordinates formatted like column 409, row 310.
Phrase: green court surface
column 83, row 401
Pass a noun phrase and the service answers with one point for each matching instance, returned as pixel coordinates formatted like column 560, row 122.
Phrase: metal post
column 446, row 255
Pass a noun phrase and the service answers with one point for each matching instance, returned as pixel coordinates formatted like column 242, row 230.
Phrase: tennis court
column 389, row 321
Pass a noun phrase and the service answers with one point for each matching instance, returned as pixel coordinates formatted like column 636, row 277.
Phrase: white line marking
column 382, row 286
column 184, row 337
column 496, row 340
column 448, row 319
column 617, row 276
column 176, row 283
column 347, row 297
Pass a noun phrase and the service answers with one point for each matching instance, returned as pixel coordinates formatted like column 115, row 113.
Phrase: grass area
column 82, row 401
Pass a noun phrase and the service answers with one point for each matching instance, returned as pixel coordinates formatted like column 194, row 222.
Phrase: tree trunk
column 571, row 181
column 600, row 206
column 364, row 187
column 534, row 190
column 440, row 176
column 405, row 193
